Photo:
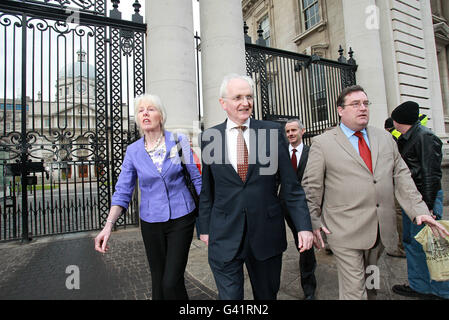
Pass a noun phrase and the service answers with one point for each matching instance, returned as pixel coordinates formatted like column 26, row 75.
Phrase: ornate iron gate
column 292, row 85
column 69, row 73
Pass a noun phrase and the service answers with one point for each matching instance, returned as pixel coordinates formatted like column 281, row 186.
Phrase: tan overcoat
column 344, row 196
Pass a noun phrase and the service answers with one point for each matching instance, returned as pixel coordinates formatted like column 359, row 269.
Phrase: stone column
column 444, row 77
column 362, row 35
column 170, row 61
column 436, row 101
column 222, row 52
column 447, row 88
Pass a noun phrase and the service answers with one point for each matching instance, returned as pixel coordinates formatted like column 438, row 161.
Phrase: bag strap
column 185, row 172
column 178, row 146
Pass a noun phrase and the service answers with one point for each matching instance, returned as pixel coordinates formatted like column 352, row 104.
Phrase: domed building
column 69, row 123
column 78, row 78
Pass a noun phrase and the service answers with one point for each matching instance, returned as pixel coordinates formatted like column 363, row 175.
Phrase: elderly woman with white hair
column 166, row 204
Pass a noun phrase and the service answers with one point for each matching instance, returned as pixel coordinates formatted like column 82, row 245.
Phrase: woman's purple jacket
column 164, row 195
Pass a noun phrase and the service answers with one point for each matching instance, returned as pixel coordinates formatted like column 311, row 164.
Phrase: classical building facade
column 60, row 130
column 401, row 48
column 309, row 27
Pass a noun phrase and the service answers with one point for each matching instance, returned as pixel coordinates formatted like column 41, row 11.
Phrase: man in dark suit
column 299, row 153
column 240, row 216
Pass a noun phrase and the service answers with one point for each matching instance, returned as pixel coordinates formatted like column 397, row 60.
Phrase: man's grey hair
column 301, row 126
column 154, row 101
column 229, row 77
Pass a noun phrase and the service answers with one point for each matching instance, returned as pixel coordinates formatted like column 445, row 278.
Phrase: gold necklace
column 158, row 142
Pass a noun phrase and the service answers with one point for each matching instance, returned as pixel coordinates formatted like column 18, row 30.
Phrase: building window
column 66, row 173
column 99, row 170
column 318, row 93
column 311, row 12
column 265, row 26
column 83, row 171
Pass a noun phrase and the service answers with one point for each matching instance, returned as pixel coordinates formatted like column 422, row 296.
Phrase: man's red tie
column 294, row 160
column 364, row 151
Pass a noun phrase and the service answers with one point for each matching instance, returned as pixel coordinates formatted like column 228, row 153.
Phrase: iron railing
column 292, row 85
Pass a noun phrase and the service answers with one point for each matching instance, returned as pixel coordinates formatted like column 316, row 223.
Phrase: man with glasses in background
column 351, row 178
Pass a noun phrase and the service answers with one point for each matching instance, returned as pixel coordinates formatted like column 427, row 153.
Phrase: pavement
column 67, row 267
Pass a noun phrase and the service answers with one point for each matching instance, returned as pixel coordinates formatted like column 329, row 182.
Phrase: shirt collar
column 298, row 148
column 410, row 131
column 231, row 124
column 349, row 132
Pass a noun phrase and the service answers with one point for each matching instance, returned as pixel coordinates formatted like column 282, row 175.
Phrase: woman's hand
column 101, row 240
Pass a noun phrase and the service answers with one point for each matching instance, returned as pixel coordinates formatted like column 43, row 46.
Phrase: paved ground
column 47, row 267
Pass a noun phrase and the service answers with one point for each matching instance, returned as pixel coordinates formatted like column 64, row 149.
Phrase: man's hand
column 305, row 240
column 205, row 238
column 437, row 229
column 318, row 239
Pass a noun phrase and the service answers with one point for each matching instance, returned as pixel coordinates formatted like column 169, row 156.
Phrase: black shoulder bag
column 187, row 177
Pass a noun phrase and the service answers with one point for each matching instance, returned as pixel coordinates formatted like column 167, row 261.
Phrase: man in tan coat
column 352, row 176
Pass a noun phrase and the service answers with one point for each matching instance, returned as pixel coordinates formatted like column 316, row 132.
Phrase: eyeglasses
column 358, row 104
column 240, row 99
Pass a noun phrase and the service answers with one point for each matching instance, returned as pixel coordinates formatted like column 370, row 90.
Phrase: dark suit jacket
column 226, row 202
column 302, row 162
column 299, row 174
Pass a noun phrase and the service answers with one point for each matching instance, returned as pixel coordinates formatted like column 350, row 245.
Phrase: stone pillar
column 362, row 35
column 389, row 56
column 170, row 61
column 436, row 101
column 444, row 77
column 222, row 52
column 447, row 88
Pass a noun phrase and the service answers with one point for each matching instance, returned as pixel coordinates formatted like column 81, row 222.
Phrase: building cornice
column 248, row 5
column 441, row 31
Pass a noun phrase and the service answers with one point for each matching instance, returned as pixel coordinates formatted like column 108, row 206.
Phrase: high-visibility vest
column 422, row 118
column 395, row 133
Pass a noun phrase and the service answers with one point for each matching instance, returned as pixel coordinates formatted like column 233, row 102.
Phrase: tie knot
column 294, row 150
column 241, row 128
column 359, row 134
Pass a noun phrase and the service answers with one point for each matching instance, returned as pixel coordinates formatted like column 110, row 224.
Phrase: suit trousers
column 265, row 276
column 307, row 262
column 417, row 270
column 167, row 247
column 352, row 265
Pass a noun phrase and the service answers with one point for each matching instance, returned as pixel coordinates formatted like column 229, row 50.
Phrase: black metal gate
column 69, row 72
column 292, row 85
